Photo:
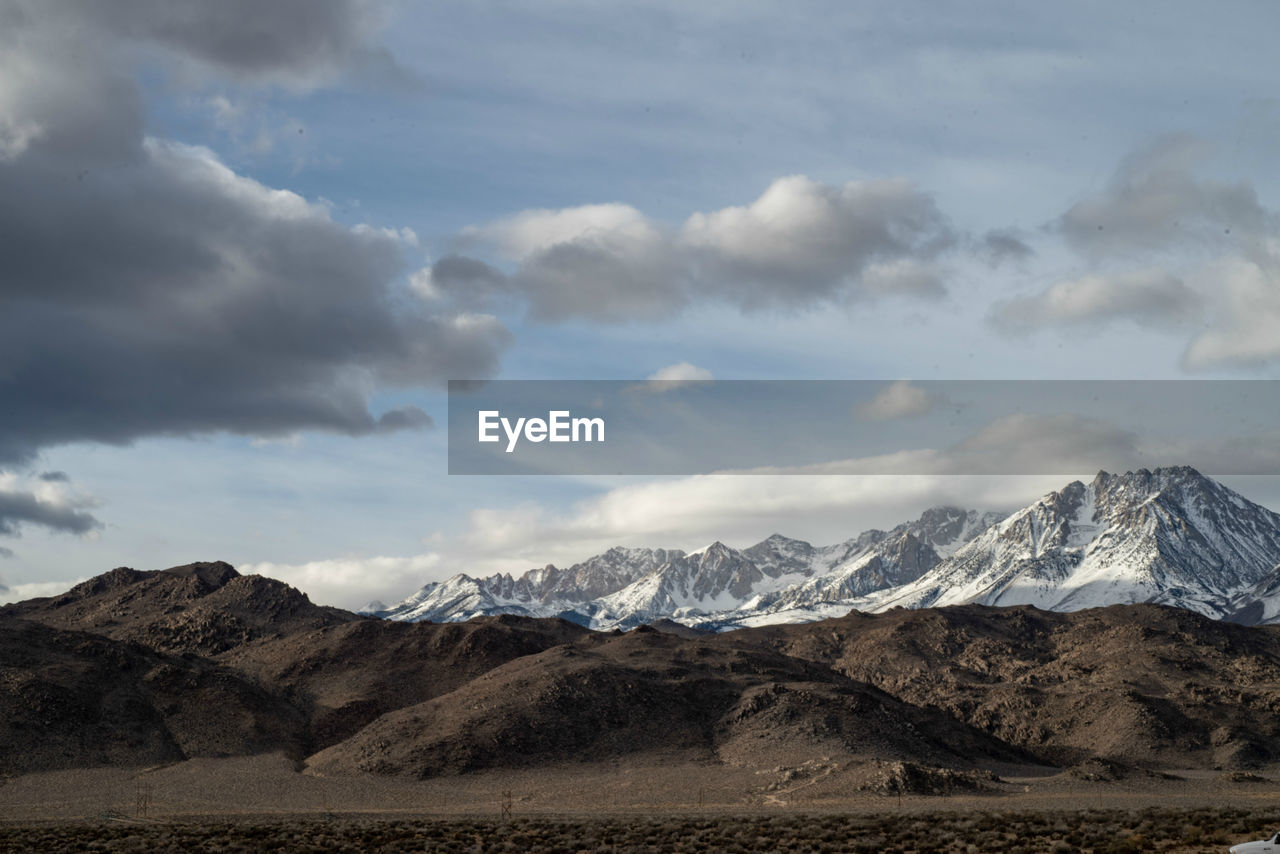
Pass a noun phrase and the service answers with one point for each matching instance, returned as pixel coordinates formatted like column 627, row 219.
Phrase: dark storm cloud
column 290, row 41
column 148, row 289
column 54, row 477
column 19, row 507
column 405, row 418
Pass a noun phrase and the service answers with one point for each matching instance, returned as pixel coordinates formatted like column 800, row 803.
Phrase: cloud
column 460, row 281
column 1045, row 443
column 1155, row 201
column 906, row 277
column 897, row 400
column 606, row 262
column 525, row 234
column 299, row 43
column 799, row 244
column 1244, row 332
column 1002, row 245
column 35, row 590
column 605, row 277
column 1217, row 259
column 679, row 375
column 51, row 504
column 1147, row 297
column 404, row 418
column 803, row 241
column 148, row 289
column 740, row 509
column 350, row 582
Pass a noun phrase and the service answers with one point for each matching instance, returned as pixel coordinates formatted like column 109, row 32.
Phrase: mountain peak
column 1171, row 536
column 709, row 547
column 213, row 574
column 943, row 512
column 1160, row 474
column 622, row 552
column 205, row 607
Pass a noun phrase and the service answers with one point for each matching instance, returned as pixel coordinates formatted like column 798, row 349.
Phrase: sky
column 246, row 245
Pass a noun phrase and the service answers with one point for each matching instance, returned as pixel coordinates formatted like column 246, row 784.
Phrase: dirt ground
column 263, row 803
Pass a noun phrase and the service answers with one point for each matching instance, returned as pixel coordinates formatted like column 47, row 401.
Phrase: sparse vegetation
column 1088, row 831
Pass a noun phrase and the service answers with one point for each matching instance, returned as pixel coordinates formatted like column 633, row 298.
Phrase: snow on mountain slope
column 541, row 592
column 1171, row 536
column 878, row 560
column 713, row 579
column 1259, row 604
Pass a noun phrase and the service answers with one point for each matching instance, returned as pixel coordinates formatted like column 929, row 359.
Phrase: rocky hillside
column 709, row 699
column 1139, row 684
column 203, row 608
column 963, row 687
column 73, row 699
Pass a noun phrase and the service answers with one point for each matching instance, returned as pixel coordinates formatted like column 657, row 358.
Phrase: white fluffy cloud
column 897, row 400
column 800, row 243
column 908, row 277
column 676, row 376
column 802, row 240
column 740, row 509
column 1246, row 330
column 529, row 232
column 35, row 589
column 1150, row 297
column 352, row 582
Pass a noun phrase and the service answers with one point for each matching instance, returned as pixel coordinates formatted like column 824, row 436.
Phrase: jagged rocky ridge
column 1169, row 536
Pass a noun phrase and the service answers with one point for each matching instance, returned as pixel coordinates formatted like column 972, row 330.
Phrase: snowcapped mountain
column 625, row 587
column 716, row 578
column 879, row 560
column 1259, row 603
column 544, row 592
column 1172, row 536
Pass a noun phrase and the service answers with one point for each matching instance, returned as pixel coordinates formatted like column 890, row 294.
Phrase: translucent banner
column 680, row 427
